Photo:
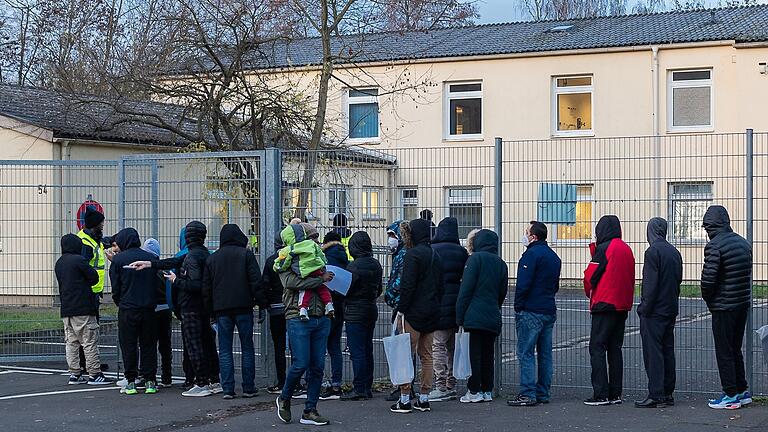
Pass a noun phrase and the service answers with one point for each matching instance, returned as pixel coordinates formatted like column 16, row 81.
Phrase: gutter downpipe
column 656, row 132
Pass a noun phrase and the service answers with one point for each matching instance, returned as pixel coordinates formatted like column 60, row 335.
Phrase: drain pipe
column 656, row 132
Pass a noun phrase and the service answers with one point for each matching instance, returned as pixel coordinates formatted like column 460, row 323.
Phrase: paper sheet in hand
column 342, row 279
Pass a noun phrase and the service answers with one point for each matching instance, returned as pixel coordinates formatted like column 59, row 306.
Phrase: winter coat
column 609, row 280
column 270, row 281
column 75, row 277
column 291, row 280
column 484, row 286
column 232, row 278
column 336, row 254
column 538, row 279
column 454, row 257
column 725, row 278
column 133, row 289
column 392, row 293
column 301, row 255
column 662, row 274
column 421, row 284
column 190, row 267
column 360, row 302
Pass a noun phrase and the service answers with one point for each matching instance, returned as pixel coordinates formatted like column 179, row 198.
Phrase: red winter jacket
column 615, row 286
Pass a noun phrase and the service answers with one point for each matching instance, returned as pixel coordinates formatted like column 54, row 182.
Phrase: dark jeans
column 728, row 330
column 658, row 336
column 481, row 350
column 277, row 331
column 334, row 345
column 607, row 338
column 360, row 342
column 163, row 326
column 136, row 332
column 309, row 340
column 186, row 362
column 244, row 324
column 534, row 337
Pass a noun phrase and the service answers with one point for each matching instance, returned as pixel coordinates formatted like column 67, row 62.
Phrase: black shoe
column 401, row 408
column 650, row 403
column 104, row 367
column 331, row 393
column 615, row 400
column 283, row 409
column 394, row 396
column 418, row 405
column 522, row 401
column 593, row 401
column 300, row 393
column 542, row 401
column 669, row 401
column 352, row 396
column 275, row 389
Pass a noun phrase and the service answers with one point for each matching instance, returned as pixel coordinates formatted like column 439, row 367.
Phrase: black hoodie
column 75, row 279
column 133, row 289
column 271, row 281
column 725, row 278
column 360, row 302
column 232, row 279
column 421, row 284
column 454, row 257
column 189, row 280
column 662, row 274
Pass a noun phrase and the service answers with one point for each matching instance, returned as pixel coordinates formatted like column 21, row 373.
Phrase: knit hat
column 310, row 230
column 93, row 217
column 152, row 246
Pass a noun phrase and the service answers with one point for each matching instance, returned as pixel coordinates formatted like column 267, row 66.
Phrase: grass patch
column 30, row 319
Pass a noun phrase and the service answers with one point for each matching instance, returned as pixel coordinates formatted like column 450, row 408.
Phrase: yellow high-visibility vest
column 97, row 261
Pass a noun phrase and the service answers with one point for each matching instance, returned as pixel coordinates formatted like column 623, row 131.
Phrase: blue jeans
column 309, row 341
column 334, row 348
column 360, row 342
column 244, row 324
column 534, row 332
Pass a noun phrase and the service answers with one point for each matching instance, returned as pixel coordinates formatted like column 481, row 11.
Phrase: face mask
column 393, row 243
column 525, row 240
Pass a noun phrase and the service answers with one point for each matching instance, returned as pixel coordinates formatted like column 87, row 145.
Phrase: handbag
column 462, row 367
column 397, row 348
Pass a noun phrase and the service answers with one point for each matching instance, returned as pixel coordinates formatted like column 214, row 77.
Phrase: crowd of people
column 436, row 288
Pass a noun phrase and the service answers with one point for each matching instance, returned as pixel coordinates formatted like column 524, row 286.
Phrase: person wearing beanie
column 163, row 320
column 340, row 227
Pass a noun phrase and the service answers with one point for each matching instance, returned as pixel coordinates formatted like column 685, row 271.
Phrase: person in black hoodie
column 277, row 329
column 79, row 307
column 421, row 288
column 454, row 257
column 135, row 292
column 361, row 312
column 662, row 276
column 231, row 288
column 726, row 286
column 336, row 254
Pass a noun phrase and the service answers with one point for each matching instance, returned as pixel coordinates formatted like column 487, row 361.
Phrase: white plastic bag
column 762, row 332
column 462, row 368
column 398, row 350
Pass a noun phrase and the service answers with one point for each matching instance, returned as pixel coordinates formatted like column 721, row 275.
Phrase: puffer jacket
column 301, row 254
column 360, row 302
column 454, row 257
column 421, row 285
column 189, row 280
column 725, row 278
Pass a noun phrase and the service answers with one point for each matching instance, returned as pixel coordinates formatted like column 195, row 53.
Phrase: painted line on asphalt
column 25, row 372
column 60, row 392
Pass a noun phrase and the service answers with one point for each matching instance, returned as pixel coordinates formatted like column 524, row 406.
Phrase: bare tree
column 405, row 15
column 538, row 10
column 649, row 6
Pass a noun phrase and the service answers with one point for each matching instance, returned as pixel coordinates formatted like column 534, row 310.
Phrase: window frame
column 311, row 211
column 366, row 215
column 555, row 239
column 671, row 210
column 448, row 203
column 403, row 203
column 672, row 84
column 347, row 206
column 555, row 111
column 448, row 96
column 358, row 100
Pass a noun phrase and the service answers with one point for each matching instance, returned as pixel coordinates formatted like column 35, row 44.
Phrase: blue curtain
column 557, row 203
column 364, row 120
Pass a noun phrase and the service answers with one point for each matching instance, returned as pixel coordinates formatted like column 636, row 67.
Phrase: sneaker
column 418, row 405
column 283, row 409
column 303, row 314
column 130, row 389
column 352, row 397
column 76, row 379
column 487, row 397
column 228, row 396
column 248, row 395
column 275, row 389
column 725, row 402
column 650, row 403
column 593, row 401
column 441, row 395
column 215, row 388
column 744, row 398
column 331, row 393
column 669, row 401
column 615, row 400
column 140, row 383
column 122, row 383
column 99, row 379
column 394, row 396
column 401, row 408
column 313, row 418
column 522, row 401
column 150, row 388
column 165, row 384
column 329, row 311
column 299, row 393
column 471, row 397
column 198, row 391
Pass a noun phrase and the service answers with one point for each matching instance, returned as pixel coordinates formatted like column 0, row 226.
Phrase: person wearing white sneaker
column 487, row 397
column 215, row 388
column 472, row 397
column 198, row 391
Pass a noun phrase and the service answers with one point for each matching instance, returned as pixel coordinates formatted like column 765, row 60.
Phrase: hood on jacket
column 292, row 234
column 71, row 244
column 195, row 233
column 152, row 246
column 394, row 228
column 278, row 242
column 421, row 231
column 127, row 238
column 232, row 235
column 360, row 245
column 486, row 241
column 657, row 230
column 183, row 239
column 716, row 221
column 447, row 231
column 607, row 229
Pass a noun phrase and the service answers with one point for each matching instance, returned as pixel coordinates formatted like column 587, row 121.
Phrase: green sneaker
column 313, row 418
column 283, row 410
column 151, row 387
column 130, row 389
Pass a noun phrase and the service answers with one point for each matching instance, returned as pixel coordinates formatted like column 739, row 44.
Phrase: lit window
column 338, row 201
column 466, row 205
column 464, row 108
column 573, row 106
column 689, row 107
column 363, row 113
column 371, row 204
column 291, row 202
column 409, row 200
column 687, row 204
column 567, row 208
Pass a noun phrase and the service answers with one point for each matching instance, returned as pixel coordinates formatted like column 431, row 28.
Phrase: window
column 466, row 205
column 338, row 201
column 371, row 204
column 363, row 114
column 291, row 201
column 568, row 209
column 572, row 103
column 689, row 101
column 409, row 200
column 464, row 108
column 687, row 204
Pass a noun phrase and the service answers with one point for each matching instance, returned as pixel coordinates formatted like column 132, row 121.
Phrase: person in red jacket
column 609, row 283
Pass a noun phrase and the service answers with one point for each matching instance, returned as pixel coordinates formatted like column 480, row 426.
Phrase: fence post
column 750, row 175
column 497, row 192
column 270, row 181
column 155, row 197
